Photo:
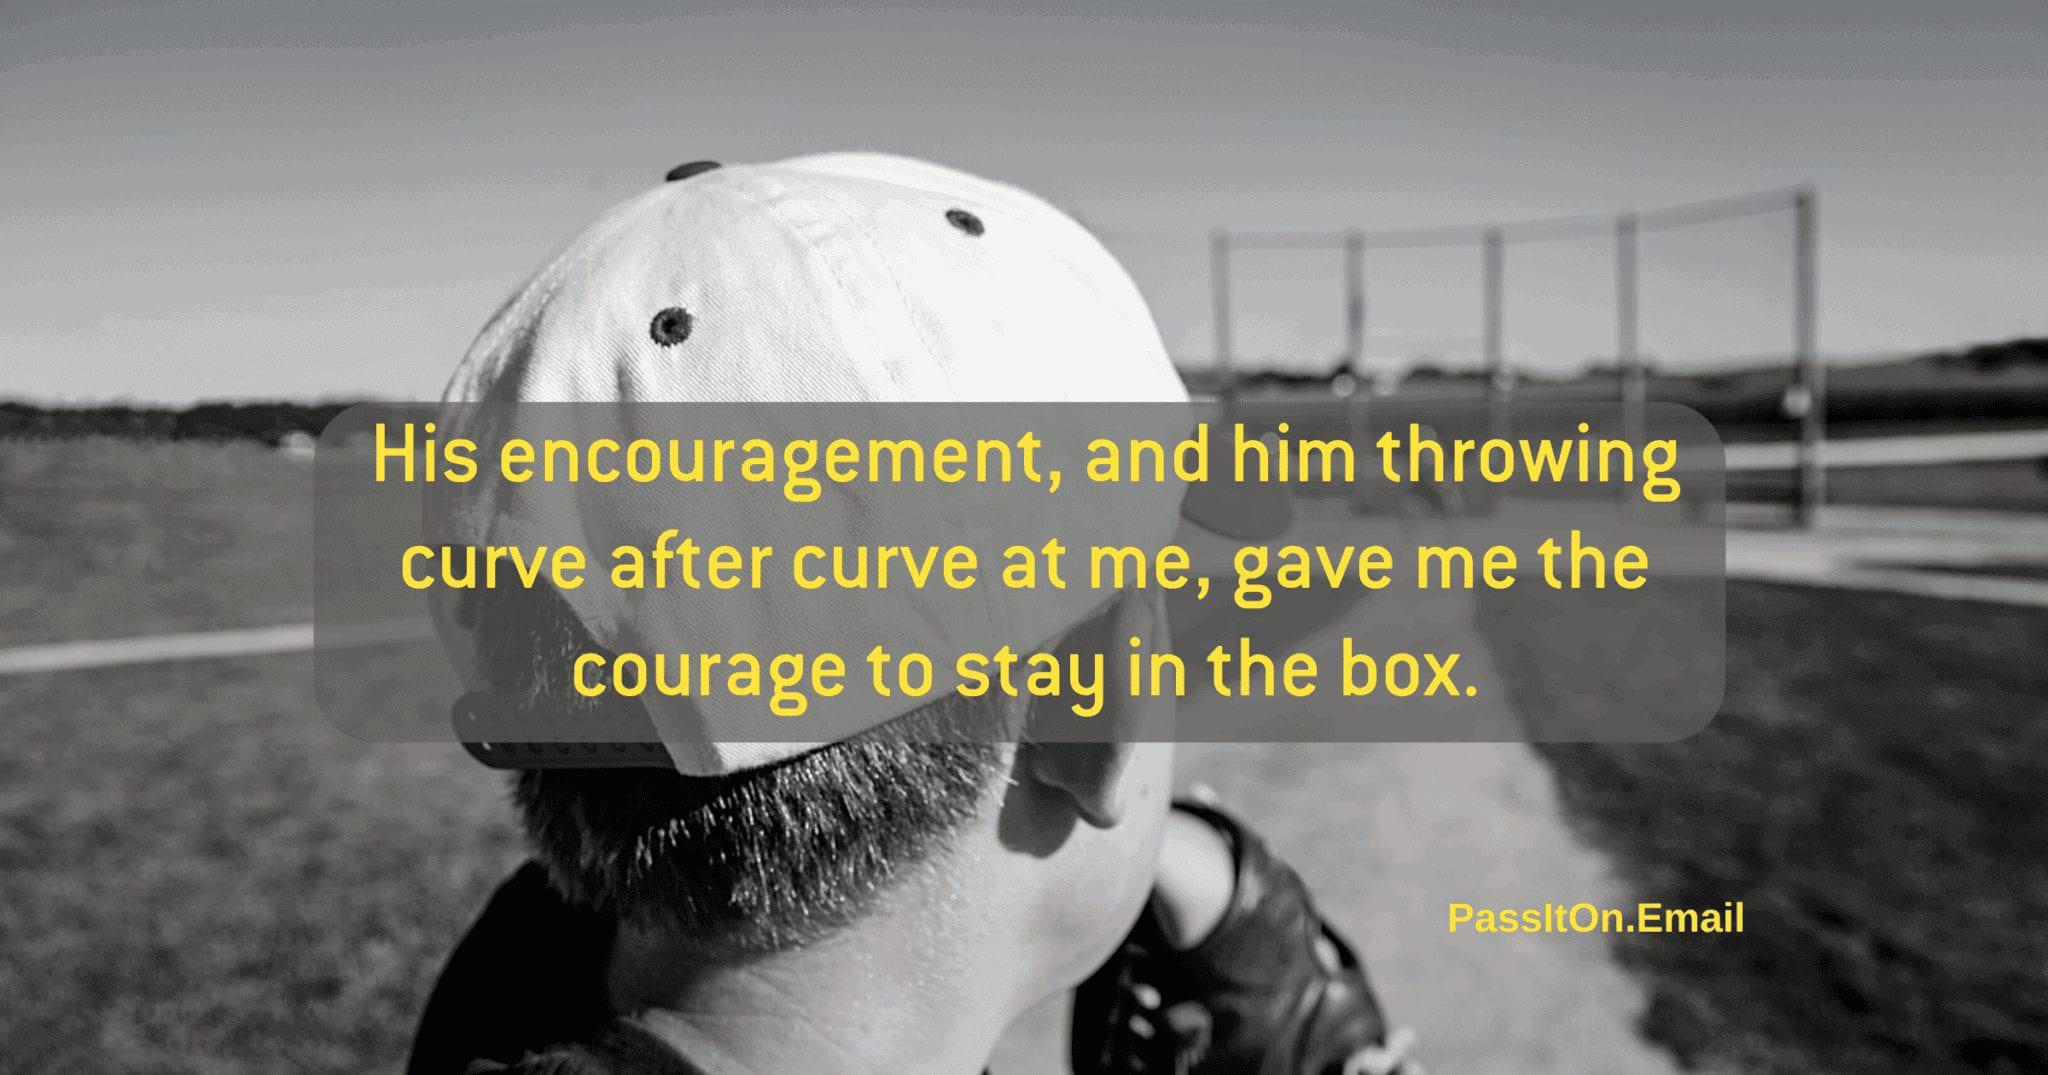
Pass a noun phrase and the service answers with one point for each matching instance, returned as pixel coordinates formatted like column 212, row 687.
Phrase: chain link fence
column 1710, row 304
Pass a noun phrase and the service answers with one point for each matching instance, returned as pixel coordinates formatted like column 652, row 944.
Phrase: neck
column 883, row 995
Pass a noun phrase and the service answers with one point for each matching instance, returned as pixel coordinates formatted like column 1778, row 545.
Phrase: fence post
column 1219, row 284
column 1812, row 373
column 1354, row 302
column 1629, row 362
column 1491, row 268
column 1355, row 408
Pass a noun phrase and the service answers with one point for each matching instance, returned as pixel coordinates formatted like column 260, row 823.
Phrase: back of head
column 844, row 278
column 748, row 863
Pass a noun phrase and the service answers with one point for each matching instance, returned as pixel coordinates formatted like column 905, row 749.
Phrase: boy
column 891, row 900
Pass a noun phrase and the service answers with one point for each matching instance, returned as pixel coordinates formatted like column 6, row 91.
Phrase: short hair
column 754, row 862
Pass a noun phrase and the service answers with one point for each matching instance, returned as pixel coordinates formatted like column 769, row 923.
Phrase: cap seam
column 876, row 255
column 772, row 209
column 899, row 292
column 511, row 325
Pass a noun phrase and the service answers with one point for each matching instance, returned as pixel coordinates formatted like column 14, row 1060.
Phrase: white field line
column 1937, row 584
column 1905, row 451
column 193, row 646
column 189, row 646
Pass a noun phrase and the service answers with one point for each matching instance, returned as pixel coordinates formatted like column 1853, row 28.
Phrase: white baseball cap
column 859, row 278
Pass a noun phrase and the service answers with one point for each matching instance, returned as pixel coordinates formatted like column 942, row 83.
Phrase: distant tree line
column 1987, row 357
column 1962, row 390
column 1723, row 399
column 267, row 422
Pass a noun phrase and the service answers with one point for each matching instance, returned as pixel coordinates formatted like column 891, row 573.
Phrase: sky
column 204, row 200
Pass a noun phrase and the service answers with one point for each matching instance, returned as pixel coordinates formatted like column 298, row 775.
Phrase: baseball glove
column 1273, row 990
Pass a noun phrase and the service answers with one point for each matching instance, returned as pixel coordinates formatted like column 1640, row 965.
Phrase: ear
column 1088, row 775
column 1084, row 764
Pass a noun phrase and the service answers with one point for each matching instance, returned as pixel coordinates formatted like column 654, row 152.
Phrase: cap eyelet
column 685, row 171
column 671, row 326
column 965, row 221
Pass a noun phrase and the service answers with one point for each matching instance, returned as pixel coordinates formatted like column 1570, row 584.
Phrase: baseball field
column 198, row 873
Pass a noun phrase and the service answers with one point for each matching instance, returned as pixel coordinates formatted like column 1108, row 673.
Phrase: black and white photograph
column 1285, row 538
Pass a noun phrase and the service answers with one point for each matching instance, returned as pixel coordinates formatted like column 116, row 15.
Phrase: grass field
column 108, row 539
column 2015, row 485
column 1873, row 788
column 197, row 873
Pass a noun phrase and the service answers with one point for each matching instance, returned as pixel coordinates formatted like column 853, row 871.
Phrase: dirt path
column 1390, row 834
